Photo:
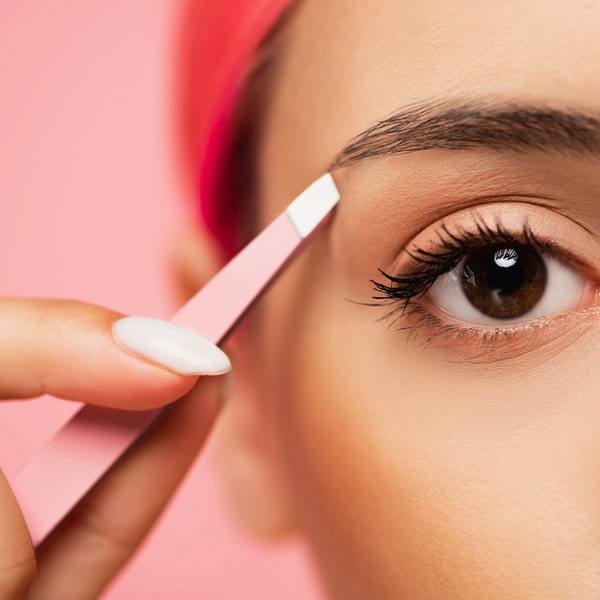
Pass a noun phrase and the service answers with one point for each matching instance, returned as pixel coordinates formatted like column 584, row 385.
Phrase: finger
column 68, row 349
column 17, row 558
column 100, row 536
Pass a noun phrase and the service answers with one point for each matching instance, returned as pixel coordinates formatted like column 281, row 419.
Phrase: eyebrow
column 468, row 125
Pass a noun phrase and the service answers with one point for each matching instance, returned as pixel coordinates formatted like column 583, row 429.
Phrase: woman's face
column 450, row 448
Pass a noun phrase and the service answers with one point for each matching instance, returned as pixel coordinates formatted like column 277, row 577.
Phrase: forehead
column 351, row 63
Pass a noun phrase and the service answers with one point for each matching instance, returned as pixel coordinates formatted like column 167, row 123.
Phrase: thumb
column 101, row 534
column 83, row 352
column 17, row 557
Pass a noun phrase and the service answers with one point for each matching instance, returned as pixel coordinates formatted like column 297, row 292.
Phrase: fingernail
column 171, row 346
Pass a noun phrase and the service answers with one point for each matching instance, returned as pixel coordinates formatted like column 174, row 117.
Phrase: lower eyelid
column 456, row 342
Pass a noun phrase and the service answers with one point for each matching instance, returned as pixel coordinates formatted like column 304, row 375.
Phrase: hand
column 67, row 349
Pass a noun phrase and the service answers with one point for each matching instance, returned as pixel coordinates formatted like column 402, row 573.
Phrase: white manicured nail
column 171, row 346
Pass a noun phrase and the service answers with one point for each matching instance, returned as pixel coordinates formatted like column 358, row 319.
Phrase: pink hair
column 220, row 39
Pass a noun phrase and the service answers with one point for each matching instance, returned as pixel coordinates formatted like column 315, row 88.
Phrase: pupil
column 506, row 275
column 504, row 282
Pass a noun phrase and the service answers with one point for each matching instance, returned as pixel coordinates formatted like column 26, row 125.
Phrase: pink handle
column 218, row 306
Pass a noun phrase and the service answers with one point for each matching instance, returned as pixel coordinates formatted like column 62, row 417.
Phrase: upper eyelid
column 481, row 233
column 557, row 235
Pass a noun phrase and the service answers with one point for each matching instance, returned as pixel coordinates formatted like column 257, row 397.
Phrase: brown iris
column 504, row 282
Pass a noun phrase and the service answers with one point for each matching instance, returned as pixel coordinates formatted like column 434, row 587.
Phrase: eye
column 503, row 284
column 472, row 281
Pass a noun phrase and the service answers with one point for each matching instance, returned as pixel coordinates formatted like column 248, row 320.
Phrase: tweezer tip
column 313, row 205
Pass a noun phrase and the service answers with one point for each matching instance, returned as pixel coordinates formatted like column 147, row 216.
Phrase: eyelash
column 400, row 295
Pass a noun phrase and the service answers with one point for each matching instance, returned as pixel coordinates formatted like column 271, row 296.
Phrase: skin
column 459, row 469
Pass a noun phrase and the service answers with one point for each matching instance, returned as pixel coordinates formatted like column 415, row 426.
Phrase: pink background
column 90, row 200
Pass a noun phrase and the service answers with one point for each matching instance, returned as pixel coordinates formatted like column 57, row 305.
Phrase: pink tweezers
column 57, row 477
